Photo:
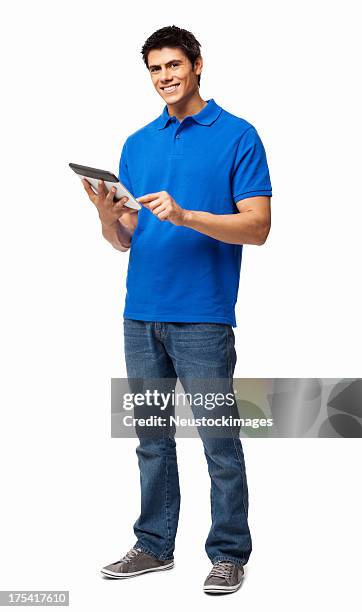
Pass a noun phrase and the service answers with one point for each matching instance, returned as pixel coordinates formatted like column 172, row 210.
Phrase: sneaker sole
column 132, row 574
column 222, row 589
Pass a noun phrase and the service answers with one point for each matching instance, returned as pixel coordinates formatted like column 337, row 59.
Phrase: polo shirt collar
column 206, row 116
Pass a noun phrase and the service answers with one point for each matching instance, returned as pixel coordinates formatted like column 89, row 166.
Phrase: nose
column 165, row 75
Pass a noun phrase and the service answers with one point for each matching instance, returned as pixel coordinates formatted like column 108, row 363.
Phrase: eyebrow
column 173, row 61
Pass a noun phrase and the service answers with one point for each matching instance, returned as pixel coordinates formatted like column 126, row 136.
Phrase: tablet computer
column 93, row 175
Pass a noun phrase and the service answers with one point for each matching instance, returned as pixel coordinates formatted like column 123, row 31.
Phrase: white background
column 73, row 88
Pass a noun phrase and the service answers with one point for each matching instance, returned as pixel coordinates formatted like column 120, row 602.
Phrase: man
column 205, row 187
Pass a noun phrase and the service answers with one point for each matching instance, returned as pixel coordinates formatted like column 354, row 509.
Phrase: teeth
column 171, row 88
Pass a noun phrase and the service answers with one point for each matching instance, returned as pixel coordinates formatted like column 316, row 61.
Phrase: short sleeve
column 123, row 174
column 250, row 175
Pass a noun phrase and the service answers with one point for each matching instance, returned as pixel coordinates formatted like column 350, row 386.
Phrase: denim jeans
column 185, row 351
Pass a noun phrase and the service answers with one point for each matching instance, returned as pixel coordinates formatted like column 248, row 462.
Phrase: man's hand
column 164, row 207
column 109, row 210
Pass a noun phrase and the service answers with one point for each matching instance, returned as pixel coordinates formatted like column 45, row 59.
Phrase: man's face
column 172, row 74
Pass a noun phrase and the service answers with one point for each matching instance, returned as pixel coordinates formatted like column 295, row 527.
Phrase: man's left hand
column 164, row 207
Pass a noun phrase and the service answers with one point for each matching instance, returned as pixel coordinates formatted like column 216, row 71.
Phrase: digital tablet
column 93, row 175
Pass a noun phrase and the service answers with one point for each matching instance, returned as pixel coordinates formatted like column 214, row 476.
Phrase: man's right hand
column 109, row 210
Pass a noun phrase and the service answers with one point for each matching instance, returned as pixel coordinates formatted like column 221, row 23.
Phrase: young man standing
column 205, row 187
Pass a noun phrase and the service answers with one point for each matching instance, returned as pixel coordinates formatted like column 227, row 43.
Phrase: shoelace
column 222, row 569
column 130, row 555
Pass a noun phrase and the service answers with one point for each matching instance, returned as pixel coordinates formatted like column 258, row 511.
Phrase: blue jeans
column 185, row 351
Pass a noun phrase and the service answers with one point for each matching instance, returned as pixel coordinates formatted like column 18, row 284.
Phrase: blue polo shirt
column 207, row 162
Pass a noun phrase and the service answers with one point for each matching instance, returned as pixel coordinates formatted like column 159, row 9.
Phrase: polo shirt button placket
column 178, row 144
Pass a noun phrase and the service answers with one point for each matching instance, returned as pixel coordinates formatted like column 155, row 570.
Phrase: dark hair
column 172, row 36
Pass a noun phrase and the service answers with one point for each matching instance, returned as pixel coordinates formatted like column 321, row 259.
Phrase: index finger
column 149, row 197
column 88, row 187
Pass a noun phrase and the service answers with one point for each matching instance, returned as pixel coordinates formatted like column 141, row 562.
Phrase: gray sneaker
column 135, row 562
column 225, row 577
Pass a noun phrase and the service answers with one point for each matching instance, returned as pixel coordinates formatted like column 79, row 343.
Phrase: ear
column 198, row 65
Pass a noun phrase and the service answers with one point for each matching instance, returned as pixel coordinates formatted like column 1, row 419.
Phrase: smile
column 170, row 88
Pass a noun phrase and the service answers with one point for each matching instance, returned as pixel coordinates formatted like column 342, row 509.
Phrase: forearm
column 119, row 235
column 238, row 228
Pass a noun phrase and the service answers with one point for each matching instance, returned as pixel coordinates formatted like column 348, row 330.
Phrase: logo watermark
column 280, row 407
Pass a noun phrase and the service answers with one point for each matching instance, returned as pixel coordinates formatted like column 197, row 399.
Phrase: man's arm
column 250, row 226
column 120, row 233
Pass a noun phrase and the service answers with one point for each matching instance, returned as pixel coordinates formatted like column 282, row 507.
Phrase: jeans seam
column 212, row 502
column 242, row 475
column 166, row 501
column 232, row 432
column 228, row 353
column 230, row 372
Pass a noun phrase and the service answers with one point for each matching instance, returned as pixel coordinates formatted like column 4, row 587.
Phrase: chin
column 173, row 99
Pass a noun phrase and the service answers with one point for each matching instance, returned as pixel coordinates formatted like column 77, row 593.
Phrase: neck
column 187, row 106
